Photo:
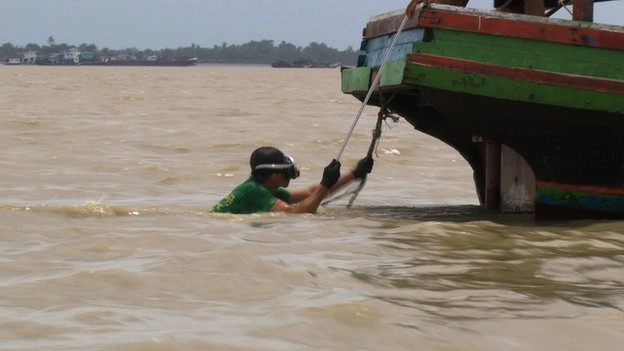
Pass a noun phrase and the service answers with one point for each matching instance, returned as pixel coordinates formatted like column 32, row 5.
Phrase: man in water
column 528, row 7
column 271, row 172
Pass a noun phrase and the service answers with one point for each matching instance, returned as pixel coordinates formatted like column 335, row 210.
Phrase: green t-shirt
column 250, row 197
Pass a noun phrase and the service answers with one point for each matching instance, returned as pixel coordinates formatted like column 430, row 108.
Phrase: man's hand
column 363, row 167
column 331, row 174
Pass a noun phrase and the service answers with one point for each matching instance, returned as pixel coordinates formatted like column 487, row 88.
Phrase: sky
column 158, row 24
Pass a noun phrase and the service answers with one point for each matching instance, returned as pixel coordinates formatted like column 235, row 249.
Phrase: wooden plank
column 597, row 190
column 520, row 27
column 523, row 74
column 492, row 175
column 356, row 80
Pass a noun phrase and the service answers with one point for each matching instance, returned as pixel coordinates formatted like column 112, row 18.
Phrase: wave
column 97, row 209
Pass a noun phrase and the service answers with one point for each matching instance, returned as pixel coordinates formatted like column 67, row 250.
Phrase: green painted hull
column 559, row 104
column 517, row 53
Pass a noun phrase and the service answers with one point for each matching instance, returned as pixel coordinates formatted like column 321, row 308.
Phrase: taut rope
column 380, row 117
column 372, row 87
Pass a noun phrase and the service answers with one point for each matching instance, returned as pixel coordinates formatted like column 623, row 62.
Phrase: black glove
column 331, row 174
column 363, row 167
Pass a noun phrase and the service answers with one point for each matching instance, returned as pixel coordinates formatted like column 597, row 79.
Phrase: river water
column 106, row 176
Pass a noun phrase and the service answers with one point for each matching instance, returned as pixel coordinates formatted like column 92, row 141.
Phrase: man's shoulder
column 242, row 199
column 249, row 185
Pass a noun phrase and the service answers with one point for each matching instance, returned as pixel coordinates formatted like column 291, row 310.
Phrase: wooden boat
column 535, row 105
column 70, row 57
column 12, row 61
column 303, row 63
column 150, row 61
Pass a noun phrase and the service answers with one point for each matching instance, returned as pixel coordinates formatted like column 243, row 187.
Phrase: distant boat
column 73, row 57
column 150, row 61
column 12, row 61
column 30, row 58
column 69, row 57
column 303, row 63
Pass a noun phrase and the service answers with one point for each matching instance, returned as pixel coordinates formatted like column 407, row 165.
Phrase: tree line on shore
column 253, row 52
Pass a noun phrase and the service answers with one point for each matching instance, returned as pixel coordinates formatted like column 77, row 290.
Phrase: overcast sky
column 157, row 24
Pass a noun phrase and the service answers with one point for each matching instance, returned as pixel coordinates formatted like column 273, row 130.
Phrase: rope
column 382, row 115
column 372, row 87
column 562, row 3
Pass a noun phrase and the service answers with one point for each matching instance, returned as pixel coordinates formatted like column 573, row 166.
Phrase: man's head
column 267, row 160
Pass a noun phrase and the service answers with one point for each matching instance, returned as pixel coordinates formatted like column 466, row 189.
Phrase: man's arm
column 297, row 195
column 363, row 167
column 311, row 202
column 308, row 205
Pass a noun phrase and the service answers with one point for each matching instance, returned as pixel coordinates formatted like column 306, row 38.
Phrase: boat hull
column 563, row 201
column 553, row 92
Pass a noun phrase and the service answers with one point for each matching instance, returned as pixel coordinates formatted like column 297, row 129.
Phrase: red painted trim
column 507, row 25
column 523, row 27
column 522, row 74
column 601, row 190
